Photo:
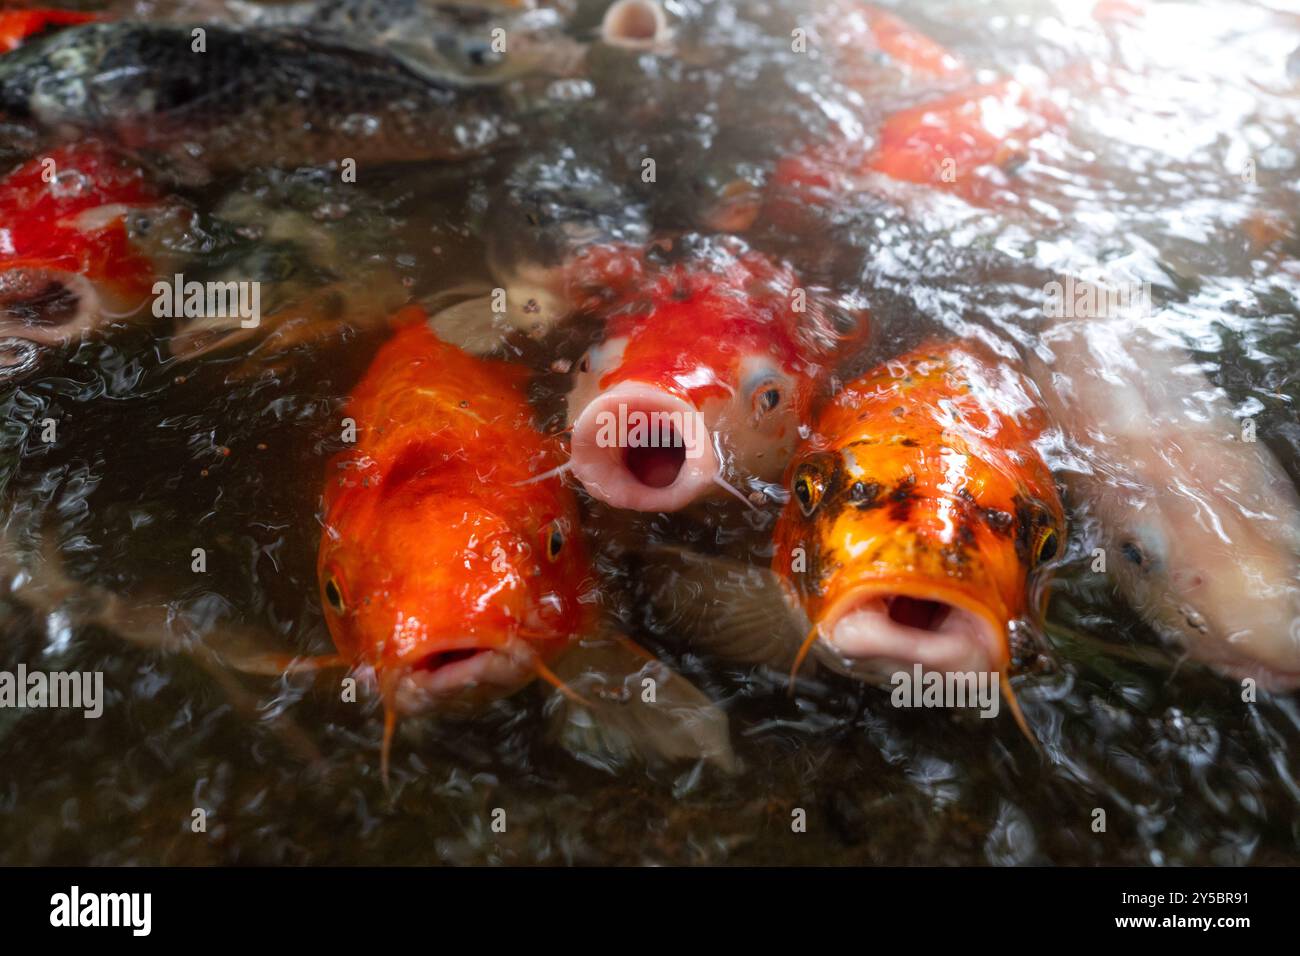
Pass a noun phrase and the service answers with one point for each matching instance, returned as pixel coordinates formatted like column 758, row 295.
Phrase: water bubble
column 70, row 183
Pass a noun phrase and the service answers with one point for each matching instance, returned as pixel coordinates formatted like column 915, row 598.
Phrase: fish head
column 1208, row 577
column 902, row 552
column 67, row 262
column 454, row 600
column 705, row 370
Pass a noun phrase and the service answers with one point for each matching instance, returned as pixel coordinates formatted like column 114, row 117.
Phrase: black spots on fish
column 909, row 442
column 998, row 521
column 865, row 495
column 901, row 510
column 956, row 557
column 901, row 499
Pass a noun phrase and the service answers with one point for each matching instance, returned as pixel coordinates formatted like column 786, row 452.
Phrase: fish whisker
column 555, row 472
column 800, row 657
column 717, row 479
column 1017, row 713
column 548, row 675
column 388, row 693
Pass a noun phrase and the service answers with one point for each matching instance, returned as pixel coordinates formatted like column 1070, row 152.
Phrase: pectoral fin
column 723, row 607
column 636, row 707
column 463, row 316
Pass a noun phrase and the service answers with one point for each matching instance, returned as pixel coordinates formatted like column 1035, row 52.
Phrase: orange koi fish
column 444, row 565
column 920, row 527
column 920, row 516
column 964, row 143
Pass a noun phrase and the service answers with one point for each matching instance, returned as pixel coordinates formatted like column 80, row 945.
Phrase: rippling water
column 157, row 455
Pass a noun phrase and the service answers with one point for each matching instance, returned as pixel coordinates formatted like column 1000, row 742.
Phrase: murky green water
column 156, row 456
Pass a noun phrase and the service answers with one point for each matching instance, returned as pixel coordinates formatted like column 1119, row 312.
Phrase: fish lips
column 462, row 676
column 50, row 305
column 876, row 630
column 667, row 477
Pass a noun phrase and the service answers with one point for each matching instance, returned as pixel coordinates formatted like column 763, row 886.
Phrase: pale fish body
column 1200, row 527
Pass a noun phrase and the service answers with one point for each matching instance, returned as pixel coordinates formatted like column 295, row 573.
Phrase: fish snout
column 635, row 25
column 462, row 675
column 642, row 448
column 875, row 635
column 47, row 306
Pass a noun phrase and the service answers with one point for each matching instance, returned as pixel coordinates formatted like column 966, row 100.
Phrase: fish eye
column 554, row 541
column 766, row 398
column 334, row 595
column 585, row 364
column 808, row 488
column 1047, row 545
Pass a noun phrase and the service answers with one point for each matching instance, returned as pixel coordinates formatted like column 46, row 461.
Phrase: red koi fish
column 67, row 264
column 707, row 362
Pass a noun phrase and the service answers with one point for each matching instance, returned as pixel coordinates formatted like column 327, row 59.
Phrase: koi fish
column 435, row 40
column 454, row 577
column 314, row 288
column 965, row 143
column 67, row 263
column 1200, row 526
column 706, row 363
column 636, row 25
column 859, row 32
column 556, row 225
column 920, row 528
column 921, row 516
column 246, row 100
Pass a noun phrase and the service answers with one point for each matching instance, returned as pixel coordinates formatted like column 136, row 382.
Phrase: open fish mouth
column 876, row 631
column 638, row 447
column 47, row 306
column 464, row 674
